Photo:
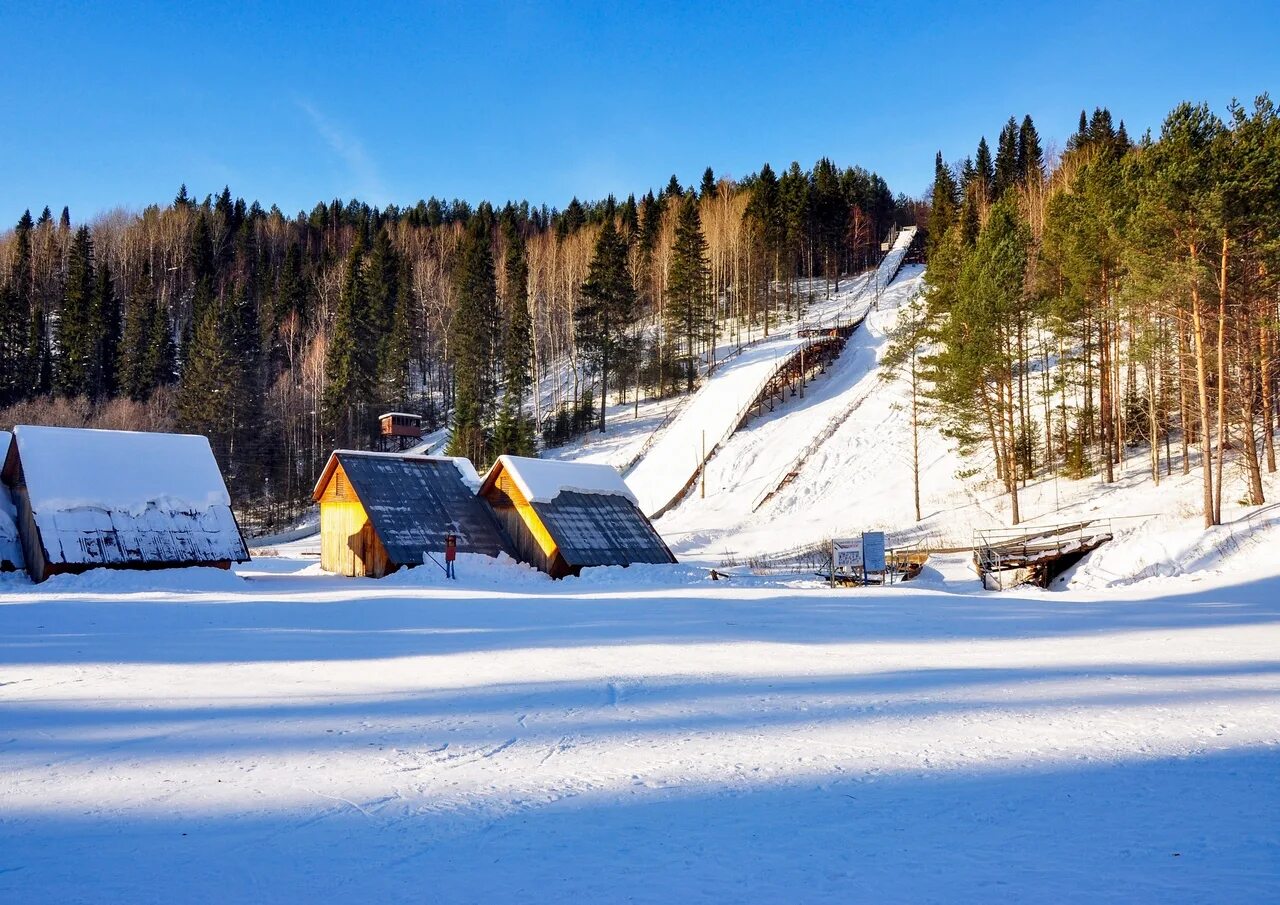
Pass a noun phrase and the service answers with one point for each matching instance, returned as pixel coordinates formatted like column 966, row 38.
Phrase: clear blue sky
column 111, row 104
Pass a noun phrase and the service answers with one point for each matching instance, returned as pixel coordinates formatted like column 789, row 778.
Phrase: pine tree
column 687, row 311
column 608, row 304
column 474, row 323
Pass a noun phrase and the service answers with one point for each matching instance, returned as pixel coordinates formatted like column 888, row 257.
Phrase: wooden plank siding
column 349, row 545
column 533, row 542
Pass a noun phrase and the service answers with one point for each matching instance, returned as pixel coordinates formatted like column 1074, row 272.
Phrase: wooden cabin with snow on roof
column 381, row 511
column 563, row 517
column 86, row 499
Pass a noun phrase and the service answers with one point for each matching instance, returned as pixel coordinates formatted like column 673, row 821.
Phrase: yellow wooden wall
column 348, row 543
column 534, row 544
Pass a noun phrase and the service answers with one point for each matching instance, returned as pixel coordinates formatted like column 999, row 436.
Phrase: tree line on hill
column 282, row 337
column 1120, row 301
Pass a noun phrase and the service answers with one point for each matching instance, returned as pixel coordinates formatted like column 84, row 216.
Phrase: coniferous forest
column 1118, row 300
column 282, row 337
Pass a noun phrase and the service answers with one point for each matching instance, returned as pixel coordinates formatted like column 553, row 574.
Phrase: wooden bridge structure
column 1008, row 557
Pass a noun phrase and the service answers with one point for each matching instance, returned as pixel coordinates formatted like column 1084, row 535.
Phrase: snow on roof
column 542, row 480
column 399, row 415
column 75, row 468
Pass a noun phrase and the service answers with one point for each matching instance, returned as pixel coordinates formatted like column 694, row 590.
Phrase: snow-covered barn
column 565, row 516
column 381, row 511
column 88, row 499
column 10, row 546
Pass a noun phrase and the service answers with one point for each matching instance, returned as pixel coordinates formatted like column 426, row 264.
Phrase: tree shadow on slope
column 349, row 620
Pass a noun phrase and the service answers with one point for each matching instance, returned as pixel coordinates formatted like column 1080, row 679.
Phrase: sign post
column 872, row 552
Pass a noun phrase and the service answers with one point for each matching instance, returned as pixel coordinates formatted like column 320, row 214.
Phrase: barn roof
column 415, row 501
column 588, row 509
column 601, row 529
column 121, row 497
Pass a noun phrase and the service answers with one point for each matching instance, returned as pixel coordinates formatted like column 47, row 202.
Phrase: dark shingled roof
column 414, row 501
column 601, row 529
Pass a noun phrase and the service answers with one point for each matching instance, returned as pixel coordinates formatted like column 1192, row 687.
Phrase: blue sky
column 116, row 104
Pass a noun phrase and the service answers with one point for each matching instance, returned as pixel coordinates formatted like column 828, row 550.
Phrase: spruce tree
column 394, row 368
column 944, row 210
column 350, row 356
column 136, row 378
column 608, row 302
column 205, row 396
column 515, row 432
column 109, row 327
column 17, row 311
column 687, row 311
column 1006, row 174
column 708, row 188
column 985, row 172
column 1030, row 154
column 474, row 323
column 78, row 335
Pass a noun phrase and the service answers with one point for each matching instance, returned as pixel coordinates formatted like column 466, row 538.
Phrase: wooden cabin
column 399, row 430
column 562, row 517
column 10, row 544
column 381, row 511
column 86, row 499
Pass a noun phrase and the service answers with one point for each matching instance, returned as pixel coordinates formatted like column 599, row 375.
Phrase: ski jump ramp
column 678, row 453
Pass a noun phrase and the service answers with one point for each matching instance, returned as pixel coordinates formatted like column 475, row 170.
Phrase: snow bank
column 644, row 575
column 73, row 468
column 474, row 570
column 136, row 581
column 542, row 480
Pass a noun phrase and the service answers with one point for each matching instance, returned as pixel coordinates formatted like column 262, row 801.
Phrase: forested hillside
column 282, row 336
column 1121, row 301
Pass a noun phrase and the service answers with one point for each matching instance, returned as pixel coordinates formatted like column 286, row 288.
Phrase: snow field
column 638, row 736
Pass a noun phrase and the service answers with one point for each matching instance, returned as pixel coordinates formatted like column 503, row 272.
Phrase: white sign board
column 873, row 551
column 847, row 554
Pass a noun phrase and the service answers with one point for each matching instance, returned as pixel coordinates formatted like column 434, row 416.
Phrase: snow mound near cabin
column 474, row 570
column 140, row 581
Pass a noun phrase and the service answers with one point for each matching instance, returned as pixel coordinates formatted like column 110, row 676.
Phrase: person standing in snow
column 450, row 554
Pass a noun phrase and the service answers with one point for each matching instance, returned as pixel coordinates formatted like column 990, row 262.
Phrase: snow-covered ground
column 638, row 735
